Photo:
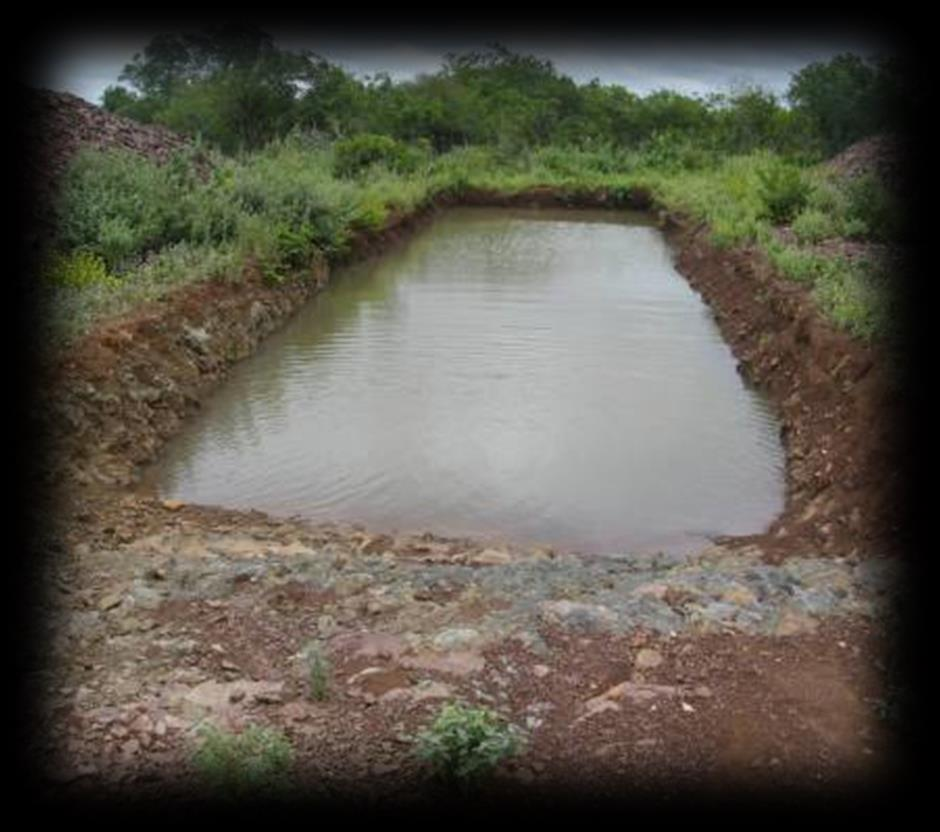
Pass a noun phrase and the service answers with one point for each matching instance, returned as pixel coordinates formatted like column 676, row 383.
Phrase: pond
column 540, row 376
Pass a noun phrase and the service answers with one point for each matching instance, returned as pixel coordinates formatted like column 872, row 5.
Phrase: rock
column 295, row 711
column 424, row 690
column 635, row 692
column 595, row 706
column 654, row 589
column 455, row 638
column 371, row 645
column 373, row 545
column 540, row 671
column 196, row 338
column 647, row 659
column 173, row 505
column 296, row 549
column 142, row 725
column 457, row 663
column 740, row 595
column 110, row 601
column 268, row 697
column 222, row 698
column 490, row 557
column 577, row 615
column 790, row 622
column 326, row 626
column 352, row 584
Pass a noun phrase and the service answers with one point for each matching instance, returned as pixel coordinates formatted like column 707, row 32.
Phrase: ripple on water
column 535, row 375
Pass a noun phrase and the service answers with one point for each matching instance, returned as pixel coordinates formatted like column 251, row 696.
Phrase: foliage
column 876, row 208
column 356, row 156
column 318, row 672
column 78, row 269
column 258, row 759
column 464, row 743
column 315, row 155
column 783, row 191
column 855, row 296
column 233, row 86
column 813, row 225
column 848, row 98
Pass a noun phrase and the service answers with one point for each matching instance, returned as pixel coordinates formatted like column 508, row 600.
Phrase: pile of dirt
column 57, row 125
column 67, row 122
column 880, row 155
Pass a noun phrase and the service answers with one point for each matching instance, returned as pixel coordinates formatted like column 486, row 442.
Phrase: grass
column 318, row 672
column 237, row 765
column 132, row 229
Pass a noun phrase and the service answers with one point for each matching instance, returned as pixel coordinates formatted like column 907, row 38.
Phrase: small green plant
column 464, row 743
column 813, row 226
column 783, row 190
column 78, row 269
column 237, row 764
column 318, row 672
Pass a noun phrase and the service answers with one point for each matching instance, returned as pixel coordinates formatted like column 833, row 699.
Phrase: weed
column 783, row 190
column 318, row 672
column 239, row 764
column 813, row 225
column 78, row 269
column 464, row 743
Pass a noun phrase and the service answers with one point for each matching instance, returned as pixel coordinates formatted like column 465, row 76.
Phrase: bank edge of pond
column 126, row 387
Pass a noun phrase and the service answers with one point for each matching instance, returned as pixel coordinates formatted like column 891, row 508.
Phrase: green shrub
column 464, row 743
column 875, row 207
column 119, row 205
column 355, row 156
column 783, row 191
column 813, row 225
column 256, row 759
column 318, row 672
column 801, row 265
column 78, row 269
column 856, row 298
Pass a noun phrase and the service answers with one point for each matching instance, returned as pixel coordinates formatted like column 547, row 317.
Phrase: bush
column 813, row 225
column 783, row 191
column 856, row 298
column 873, row 206
column 355, row 156
column 464, row 743
column 119, row 205
column 78, row 269
column 256, row 759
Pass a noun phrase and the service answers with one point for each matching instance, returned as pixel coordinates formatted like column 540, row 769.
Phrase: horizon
column 86, row 64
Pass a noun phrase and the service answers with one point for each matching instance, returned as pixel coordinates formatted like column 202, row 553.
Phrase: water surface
column 540, row 376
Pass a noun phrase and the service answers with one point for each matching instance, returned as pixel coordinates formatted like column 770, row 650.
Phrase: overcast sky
column 85, row 64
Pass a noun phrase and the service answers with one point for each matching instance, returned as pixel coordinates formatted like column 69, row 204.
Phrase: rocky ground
column 624, row 671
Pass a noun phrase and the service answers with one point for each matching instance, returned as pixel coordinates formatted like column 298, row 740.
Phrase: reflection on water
column 533, row 375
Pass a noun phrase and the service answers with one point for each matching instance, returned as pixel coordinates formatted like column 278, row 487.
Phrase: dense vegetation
column 304, row 155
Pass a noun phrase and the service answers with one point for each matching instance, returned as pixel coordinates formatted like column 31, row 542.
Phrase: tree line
column 234, row 88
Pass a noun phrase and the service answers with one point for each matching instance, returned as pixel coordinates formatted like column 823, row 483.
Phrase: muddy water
column 539, row 376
